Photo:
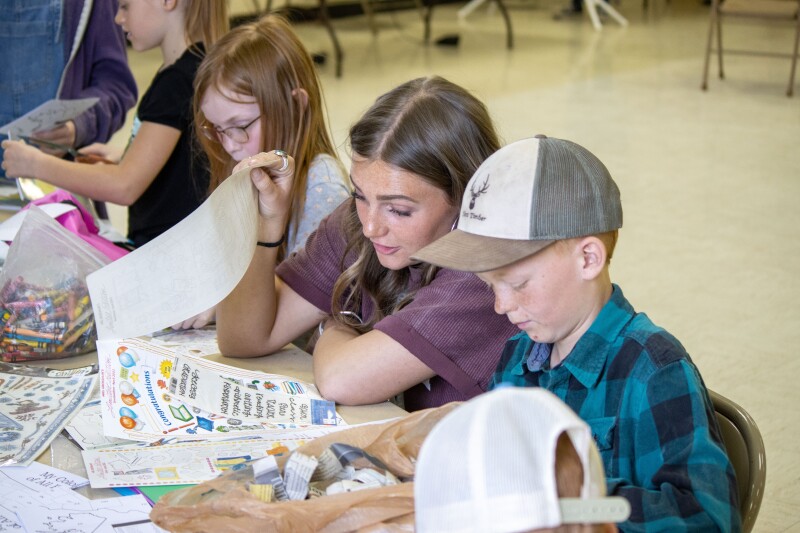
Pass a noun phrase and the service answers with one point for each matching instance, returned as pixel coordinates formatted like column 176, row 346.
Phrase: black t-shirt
column 181, row 185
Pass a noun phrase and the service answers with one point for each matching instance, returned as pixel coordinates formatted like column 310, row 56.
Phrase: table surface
column 291, row 361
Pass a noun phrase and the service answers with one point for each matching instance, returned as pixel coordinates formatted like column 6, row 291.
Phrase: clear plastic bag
column 45, row 311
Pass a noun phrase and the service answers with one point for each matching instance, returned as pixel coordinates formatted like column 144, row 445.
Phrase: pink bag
column 81, row 223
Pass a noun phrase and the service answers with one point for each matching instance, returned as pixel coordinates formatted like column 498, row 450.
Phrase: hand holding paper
column 273, row 175
column 62, row 134
column 20, row 159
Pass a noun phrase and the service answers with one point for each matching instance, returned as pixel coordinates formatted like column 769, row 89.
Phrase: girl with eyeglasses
column 256, row 90
column 160, row 177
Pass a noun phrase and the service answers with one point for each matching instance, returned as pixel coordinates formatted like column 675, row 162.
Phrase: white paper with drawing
column 184, row 271
column 48, row 115
column 62, row 510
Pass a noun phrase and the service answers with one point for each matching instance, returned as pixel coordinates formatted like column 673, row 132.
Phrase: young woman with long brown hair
column 388, row 324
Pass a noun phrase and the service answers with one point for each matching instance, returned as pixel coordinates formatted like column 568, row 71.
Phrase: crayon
column 75, row 324
column 14, row 347
column 77, row 333
column 4, row 317
column 11, row 346
column 40, row 334
column 35, row 341
column 26, row 304
column 52, row 294
column 81, row 305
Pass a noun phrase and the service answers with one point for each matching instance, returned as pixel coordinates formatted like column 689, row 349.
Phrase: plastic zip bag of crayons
column 45, row 311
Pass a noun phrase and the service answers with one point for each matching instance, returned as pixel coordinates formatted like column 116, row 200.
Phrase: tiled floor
column 710, row 181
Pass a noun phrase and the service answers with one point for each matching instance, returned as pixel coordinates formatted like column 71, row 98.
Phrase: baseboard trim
column 337, row 10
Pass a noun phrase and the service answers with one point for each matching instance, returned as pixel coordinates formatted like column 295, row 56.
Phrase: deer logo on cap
column 479, row 192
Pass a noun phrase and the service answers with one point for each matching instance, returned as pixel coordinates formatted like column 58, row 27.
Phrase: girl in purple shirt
column 388, row 324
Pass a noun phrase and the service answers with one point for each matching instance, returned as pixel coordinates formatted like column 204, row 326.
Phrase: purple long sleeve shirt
column 98, row 68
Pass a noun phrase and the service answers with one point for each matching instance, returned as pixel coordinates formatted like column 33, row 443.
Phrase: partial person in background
column 389, row 324
column 161, row 177
column 256, row 89
column 513, row 460
column 66, row 49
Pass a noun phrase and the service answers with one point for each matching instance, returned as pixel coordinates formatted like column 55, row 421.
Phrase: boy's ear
column 593, row 257
column 301, row 96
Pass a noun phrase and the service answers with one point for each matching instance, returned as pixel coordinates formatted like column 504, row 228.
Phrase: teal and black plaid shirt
column 650, row 415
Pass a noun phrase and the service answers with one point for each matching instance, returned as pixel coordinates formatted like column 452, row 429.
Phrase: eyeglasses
column 237, row 134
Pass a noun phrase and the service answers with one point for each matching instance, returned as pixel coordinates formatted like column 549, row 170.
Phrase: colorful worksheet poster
column 186, row 462
column 150, row 393
column 35, row 404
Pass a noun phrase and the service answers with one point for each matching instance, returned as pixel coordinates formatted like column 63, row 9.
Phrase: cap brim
column 605, row 510
column 459, row 250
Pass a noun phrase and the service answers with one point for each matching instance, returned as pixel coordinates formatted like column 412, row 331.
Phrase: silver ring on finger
column 285, row 157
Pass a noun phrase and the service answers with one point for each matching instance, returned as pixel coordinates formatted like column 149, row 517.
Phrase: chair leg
column 719, row 47
column 507, row 19
column 337, row 48
column 370, row 13
column 421, row 8
column 706, row 63
column 427, row 21
column 790, row 91
column 611, row 12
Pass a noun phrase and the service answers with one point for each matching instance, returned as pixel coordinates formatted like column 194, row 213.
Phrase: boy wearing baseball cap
column 539, row 224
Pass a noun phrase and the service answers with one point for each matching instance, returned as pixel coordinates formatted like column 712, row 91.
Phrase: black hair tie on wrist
column 272, row 244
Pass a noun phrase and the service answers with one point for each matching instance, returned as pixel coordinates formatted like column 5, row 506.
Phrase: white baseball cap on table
column 490, row 466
